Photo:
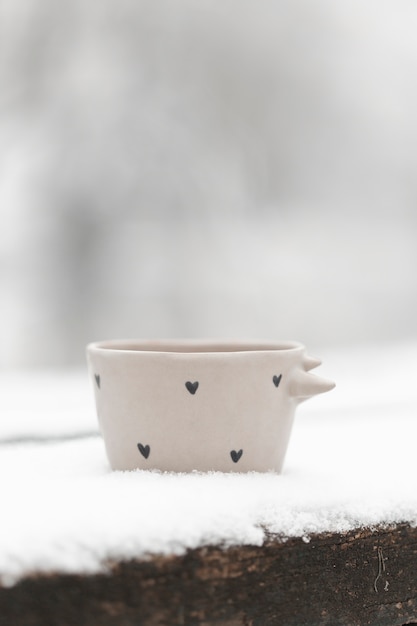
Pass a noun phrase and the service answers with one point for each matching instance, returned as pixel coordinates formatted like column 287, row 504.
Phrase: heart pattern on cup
column 144, row 450
column 192, row 387
column 236, row 455
column 276, row 380
column 97, row 377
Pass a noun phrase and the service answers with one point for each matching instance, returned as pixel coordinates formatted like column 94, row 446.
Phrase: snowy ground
column 351, row 462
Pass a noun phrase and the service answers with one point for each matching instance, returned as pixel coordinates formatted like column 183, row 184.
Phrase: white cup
column 184, row 405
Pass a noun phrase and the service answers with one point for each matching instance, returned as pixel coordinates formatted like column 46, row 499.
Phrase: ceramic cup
column 199, row 405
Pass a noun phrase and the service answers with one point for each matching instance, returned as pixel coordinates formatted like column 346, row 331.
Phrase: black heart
column 277, row 380
column 192, row 387
column 144, row 450
column 236, row 455
column 97, row 377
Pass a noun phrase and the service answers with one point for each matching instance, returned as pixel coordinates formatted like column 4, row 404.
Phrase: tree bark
column 365, row 577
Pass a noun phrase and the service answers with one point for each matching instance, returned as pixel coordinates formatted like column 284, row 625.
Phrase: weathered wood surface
column 367, row 577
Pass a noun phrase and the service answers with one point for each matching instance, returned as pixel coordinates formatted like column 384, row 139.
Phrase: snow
column 351, row 462
column 45, row 404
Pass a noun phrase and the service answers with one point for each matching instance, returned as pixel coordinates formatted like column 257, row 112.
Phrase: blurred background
column 175, row 168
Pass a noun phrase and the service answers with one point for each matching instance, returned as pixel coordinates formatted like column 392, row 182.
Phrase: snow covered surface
column 44, row 404
column 351, row 462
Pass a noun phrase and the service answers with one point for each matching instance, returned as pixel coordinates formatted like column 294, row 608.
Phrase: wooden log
column 365, row 577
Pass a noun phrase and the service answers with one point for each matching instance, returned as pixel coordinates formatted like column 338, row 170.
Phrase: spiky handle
column 305, row 385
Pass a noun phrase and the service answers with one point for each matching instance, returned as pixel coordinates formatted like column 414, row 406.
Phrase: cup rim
column 192, row 346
